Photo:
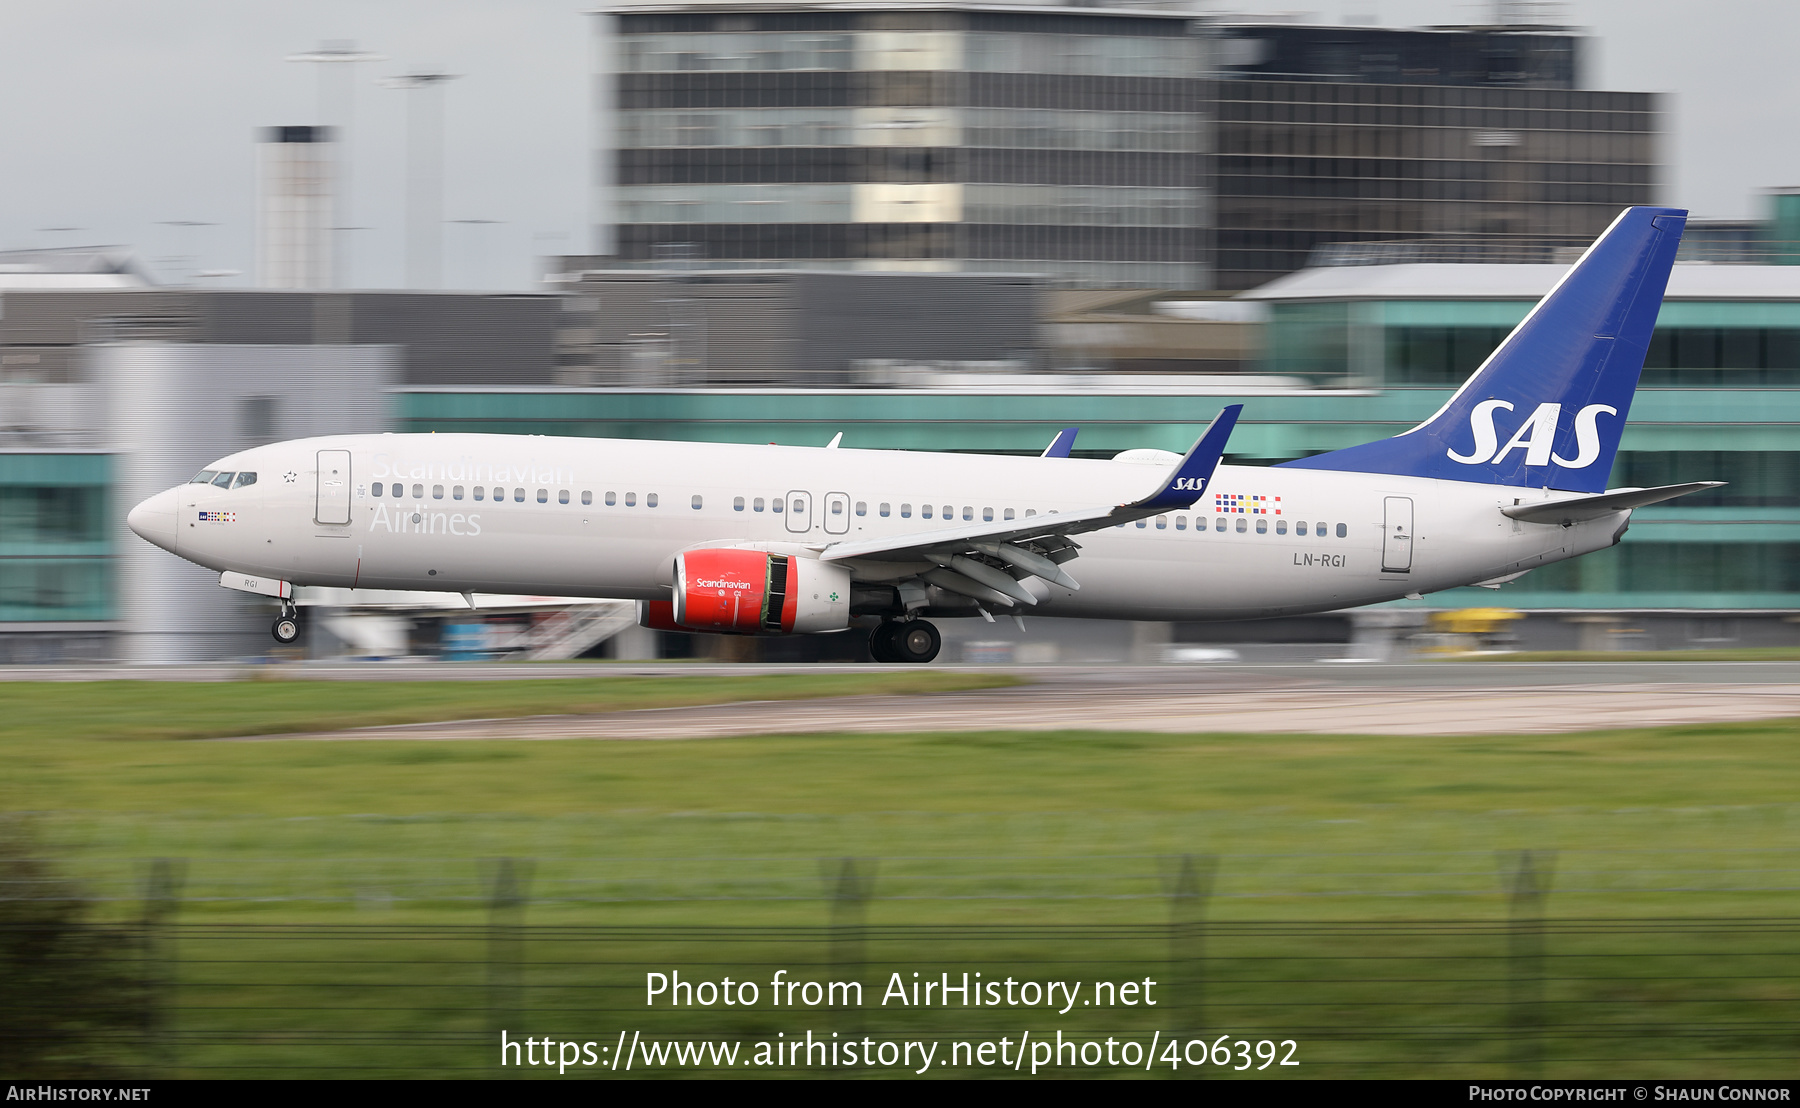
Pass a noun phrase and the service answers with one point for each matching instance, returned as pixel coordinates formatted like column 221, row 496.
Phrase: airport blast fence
column 1177, row 984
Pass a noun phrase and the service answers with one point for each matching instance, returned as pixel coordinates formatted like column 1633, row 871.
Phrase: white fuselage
column 606, row 517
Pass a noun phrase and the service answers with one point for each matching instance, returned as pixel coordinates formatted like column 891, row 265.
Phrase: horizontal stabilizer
column 1574, row 509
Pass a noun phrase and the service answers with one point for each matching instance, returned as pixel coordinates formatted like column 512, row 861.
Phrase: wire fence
column 1185, row 994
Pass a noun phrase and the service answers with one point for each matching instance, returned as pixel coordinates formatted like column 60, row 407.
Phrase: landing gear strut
column 286, row 627
column 914, row 641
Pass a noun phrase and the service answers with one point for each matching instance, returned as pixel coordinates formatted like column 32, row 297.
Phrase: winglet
column 1061, row 445
column 1191, row 477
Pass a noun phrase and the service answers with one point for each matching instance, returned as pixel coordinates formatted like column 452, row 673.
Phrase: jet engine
column 752, row 592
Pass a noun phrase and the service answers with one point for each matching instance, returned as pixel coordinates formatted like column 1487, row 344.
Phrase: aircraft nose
column 154, row 519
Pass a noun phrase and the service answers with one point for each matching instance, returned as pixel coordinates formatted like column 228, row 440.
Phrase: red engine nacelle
column 733, row 590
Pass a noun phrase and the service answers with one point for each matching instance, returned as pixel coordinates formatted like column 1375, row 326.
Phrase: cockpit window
column 204, row 477
column 244, row 479
column 223, row 480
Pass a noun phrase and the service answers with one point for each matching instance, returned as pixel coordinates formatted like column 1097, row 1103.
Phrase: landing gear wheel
column 286, row 629
column 881, row 642
column 917, row 642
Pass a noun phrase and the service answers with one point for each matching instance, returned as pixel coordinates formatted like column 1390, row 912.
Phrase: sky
column 121, row 117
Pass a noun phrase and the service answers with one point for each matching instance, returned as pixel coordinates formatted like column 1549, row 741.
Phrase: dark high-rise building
column 1303, row 163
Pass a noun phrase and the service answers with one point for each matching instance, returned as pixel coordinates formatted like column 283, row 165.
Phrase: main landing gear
column 914, row 641
column 286, row 627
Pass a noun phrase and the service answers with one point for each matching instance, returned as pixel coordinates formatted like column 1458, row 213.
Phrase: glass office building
column 1071, row 143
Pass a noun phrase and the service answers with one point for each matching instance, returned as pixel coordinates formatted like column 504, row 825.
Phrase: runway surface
column 1433, row 699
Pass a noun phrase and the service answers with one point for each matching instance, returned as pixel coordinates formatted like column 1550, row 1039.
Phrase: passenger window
column 223, row 480
column 1009, row 514
column 518, row 496
column 1242, row 525
column 1180, row 523
column 418, row 492
column 1029, row 512
column 375, row 489
column 697, row 501
column 949, row 511
column 631, row 500
column 587, row 496
column 1319, row 529
column 562, row 496
column 399, row 490
column 987, row 515
column 1162, row 523
column 862, row 507
column 776, row 503
column 437, row 492
column 924, row 511
column 884, row 509
column 1142, row 524
column 1262, row 526
column 1219, row 523
column 543, row 496
column 456, row 493
column 612, row 498
column 837, row 507
column 650, row 500
column 1342, row 530
column 1300, row 528
column 480, row 492
column 204, row 477
column 968, row 512
column 244, row 479
column 737, row 504
column 757, row 505
column 1281, row 527
column 906, row 511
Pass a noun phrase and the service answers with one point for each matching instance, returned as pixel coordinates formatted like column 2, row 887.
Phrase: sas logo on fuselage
column 1536, row 436
column 1188, row 484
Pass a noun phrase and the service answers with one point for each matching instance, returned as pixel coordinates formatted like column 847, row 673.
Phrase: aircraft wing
column 1574, row 508
column 996, row 555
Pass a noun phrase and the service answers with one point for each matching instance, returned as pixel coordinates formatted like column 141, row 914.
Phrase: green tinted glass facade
column 56, row 556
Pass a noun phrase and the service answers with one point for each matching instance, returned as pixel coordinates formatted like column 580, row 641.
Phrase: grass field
column 1359, row 898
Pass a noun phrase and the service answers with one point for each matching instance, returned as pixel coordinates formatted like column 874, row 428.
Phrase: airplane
column 1509, row 475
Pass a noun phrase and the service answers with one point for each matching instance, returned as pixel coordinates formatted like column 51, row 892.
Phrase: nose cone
column 154, row 519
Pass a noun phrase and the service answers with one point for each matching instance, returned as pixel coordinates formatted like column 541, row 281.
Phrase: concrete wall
column 173, row 408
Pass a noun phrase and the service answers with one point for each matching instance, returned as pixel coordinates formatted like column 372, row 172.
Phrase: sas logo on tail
column 1536, row 436
column 1188, row 484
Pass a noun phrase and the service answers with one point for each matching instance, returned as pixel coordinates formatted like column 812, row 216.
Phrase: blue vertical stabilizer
column 1547, row 408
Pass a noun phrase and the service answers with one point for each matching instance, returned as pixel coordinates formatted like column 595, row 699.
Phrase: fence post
column 162, row 896
column 1189, row 883
column 508, row 884
column 849, row 882
column 1527, row 875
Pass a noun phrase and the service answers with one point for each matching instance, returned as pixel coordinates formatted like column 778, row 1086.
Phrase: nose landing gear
column 286, row 627
column 914, row 641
